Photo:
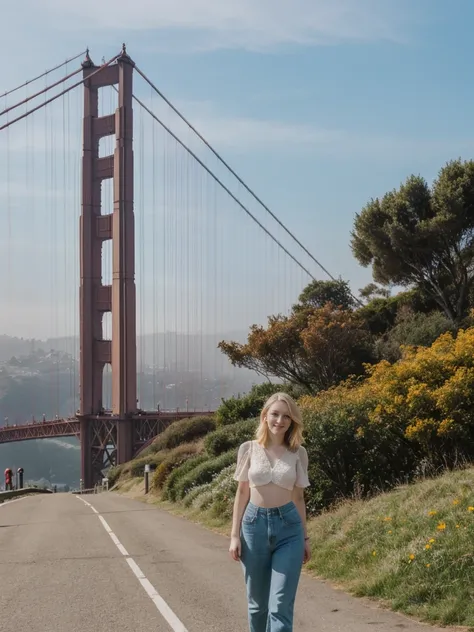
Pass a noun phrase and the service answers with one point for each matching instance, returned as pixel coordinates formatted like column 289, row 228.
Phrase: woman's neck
column 274, row 442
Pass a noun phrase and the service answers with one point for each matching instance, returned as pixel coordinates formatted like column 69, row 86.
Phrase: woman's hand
column 307, row 552
column 234, row 548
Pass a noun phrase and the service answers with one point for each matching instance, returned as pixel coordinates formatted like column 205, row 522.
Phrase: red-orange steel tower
column 97, row 226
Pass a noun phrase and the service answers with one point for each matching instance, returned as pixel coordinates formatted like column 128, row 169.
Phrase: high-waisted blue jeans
column 272, row 556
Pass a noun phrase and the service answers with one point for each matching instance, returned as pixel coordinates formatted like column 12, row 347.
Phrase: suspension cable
column 47, row 72
column 223, row 186
column 33, row 96
column 60, row 94
column 219, row 157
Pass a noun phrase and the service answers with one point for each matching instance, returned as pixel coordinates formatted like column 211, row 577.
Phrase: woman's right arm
column 242, row 497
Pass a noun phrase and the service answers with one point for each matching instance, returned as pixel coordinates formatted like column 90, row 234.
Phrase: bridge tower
column 97, row 225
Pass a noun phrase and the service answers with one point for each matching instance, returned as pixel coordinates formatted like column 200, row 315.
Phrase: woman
column 269, row 520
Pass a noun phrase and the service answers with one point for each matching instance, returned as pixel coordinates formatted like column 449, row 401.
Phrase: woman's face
column 278, row 418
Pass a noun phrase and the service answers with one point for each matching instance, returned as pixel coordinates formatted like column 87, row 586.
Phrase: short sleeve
column 302, row 468
column 243, row 463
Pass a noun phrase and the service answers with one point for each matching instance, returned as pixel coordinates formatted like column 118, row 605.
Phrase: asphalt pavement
column 105, row 563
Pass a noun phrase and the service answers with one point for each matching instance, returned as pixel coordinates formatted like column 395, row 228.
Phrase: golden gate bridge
column 141, row 243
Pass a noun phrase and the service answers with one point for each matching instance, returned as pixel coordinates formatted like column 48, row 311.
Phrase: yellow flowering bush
column 418, row 410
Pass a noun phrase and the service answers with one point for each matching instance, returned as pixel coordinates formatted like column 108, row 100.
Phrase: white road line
column 160, row 604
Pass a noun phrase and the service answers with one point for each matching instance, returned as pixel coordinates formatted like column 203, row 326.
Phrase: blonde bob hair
column 294, row 435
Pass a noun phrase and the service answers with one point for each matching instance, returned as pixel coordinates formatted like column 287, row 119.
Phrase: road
column 62, row 571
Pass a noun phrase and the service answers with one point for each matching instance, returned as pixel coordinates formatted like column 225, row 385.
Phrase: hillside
column 411, row 548
column 41, row 378
column 191, row 352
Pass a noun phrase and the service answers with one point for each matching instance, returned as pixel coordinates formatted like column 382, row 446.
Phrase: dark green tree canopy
column 319, row 293
column 372, row 290
column 421, row 236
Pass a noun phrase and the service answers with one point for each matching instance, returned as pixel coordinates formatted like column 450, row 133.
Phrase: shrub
column 204, row 500
column 114, row 474
column 183, row 431
column 190, row 498
column 172, row 459
column 380, row 314
column 203, row 473
column 136, row 467
column 367, row 435
column 224, row 488
column 346, row 459
column 227, row 437
column 169, row 489
column 237, row 408
column 412, row 328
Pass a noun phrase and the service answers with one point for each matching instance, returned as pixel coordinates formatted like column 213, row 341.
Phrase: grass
column 135, row 488
column 411, row 549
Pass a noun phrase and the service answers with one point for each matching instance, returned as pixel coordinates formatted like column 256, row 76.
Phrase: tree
column 312, row 348
column 423, row 237
column 372, row 290
column 414, row 329
column 319, row 293
column 380, row 313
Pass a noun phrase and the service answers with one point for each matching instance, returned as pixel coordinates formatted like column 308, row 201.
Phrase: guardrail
column 22, row 492
column 97, row 489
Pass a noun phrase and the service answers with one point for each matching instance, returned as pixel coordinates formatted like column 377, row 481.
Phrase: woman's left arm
column 302, row 481
column 298, row 499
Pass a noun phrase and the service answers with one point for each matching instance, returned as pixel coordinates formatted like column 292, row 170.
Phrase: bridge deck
column 69, row 427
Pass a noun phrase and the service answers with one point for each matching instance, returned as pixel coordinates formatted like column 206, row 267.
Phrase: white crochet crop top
column 253, row 465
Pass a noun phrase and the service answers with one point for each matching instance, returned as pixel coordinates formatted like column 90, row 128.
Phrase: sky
column 320, row 106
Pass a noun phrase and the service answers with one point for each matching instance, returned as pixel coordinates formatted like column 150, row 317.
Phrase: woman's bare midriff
column 270, row 495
